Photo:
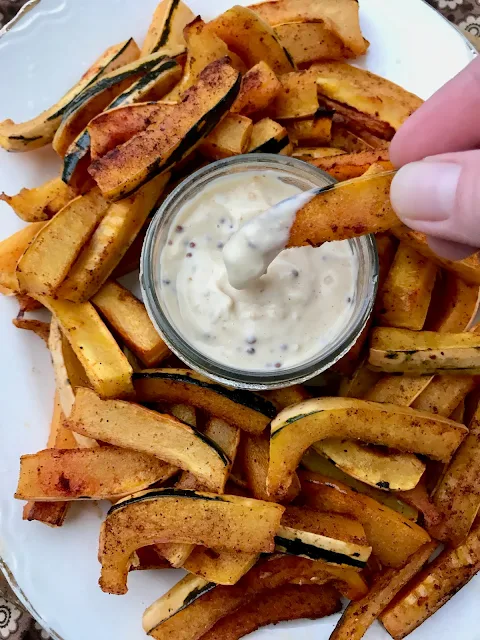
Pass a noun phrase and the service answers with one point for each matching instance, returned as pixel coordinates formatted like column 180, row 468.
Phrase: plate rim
column 4, row 568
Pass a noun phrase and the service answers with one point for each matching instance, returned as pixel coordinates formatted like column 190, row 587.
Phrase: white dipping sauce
column 282, row 319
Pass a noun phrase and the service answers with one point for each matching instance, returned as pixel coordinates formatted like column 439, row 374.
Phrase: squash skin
column 155, row 150
column 166, row 27
column 242, row 409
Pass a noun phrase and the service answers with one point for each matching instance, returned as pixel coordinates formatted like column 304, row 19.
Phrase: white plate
column 55, row 572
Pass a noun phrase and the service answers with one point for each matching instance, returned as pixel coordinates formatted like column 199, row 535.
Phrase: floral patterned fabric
column 15, row 623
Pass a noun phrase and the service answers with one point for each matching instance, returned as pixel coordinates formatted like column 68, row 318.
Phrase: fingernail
column 425, row 191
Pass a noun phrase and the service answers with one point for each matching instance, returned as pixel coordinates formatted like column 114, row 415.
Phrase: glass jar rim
column 364, row 248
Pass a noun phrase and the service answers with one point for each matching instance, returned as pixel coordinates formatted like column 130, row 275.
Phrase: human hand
column 437, row 189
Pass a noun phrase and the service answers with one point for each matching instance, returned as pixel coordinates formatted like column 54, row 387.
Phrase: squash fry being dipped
column 352, row 165
column 353, row 209
column 179, row 515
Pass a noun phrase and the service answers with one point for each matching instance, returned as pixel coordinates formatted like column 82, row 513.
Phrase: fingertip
column 450, row 250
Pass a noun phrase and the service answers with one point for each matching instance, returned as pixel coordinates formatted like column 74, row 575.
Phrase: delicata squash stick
column 129, row 425
column 433, row 587
column 298, row 427
column 179, row 515
column 192, row 606
column 353, row 208
column 358, row 616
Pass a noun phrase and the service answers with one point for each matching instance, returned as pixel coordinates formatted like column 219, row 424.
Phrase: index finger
column 447, row 122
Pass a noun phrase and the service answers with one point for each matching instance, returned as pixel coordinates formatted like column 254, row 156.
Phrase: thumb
column 440, row 196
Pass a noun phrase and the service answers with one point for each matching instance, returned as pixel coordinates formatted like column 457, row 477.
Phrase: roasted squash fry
column 310, row 153
column 260, row 87
column 115, row 126
column 251, row 38
column 419, row 498
column 80, row 474
column 353, row 165
column 290, row 602
column 128, row 318
column 468, row 268
column 347, row 140
column 340, row 16
column 156, row 149
column 335, row 214
column 297, row 97
column 178, row 515
column 11, row 250
column 359, row 616
column 253, row 456
column 40, row 328
column 40, row 203
column 457, row 495
column 219, row 566
column 203, row 47
column 405, row 296
column 453, row 306
column 365, row 92
column 433, row 587
column 229, row 138
column 310, row 42
column 393, row 537
column 424, row 352
column 110, row 241
column 166, row 27
column 400, row 390
column 132, row 426
column 269, row 136
column 170, row 617
column 283, row 398
column 388, row 470
column 333, row 538
column 359, row 384
column 106, row 367
column 46, row 262
column 314, row 131
column 52, row 513
column 239, row 408
column 298, row 427
column 444, row 393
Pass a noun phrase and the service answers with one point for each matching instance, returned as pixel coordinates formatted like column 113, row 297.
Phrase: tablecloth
column 15, row 622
